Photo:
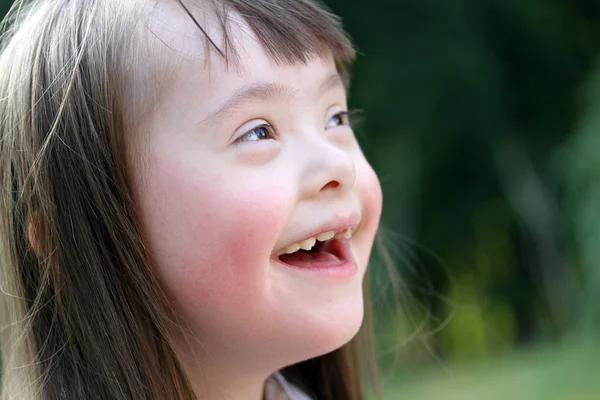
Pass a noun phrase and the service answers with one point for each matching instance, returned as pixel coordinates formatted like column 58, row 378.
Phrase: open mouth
column 323, row 254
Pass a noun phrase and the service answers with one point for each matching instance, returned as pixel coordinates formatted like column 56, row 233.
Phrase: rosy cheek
column 225, row 231
column 373, row 194
column 369, row 191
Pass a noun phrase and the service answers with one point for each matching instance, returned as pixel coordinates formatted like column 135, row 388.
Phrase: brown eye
column 338, row 119
column 261, row 132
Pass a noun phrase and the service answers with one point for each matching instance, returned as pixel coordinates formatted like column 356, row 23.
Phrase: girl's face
column 238, row 164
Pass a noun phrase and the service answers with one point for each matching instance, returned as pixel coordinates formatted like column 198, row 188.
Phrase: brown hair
column 82, row 314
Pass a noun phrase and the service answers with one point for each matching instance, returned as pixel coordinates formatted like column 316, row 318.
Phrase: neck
column 220, row 382
column 228, row 387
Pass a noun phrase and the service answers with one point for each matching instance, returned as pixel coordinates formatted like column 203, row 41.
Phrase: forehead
column 176, row 33
column 223, row 38
column 289, row 30
column 179, row 45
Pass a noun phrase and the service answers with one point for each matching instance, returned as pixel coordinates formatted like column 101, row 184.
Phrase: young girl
column 185, row 211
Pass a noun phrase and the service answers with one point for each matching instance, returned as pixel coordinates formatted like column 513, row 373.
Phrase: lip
column 336, row 224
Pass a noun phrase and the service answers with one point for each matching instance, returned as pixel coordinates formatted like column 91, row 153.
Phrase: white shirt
column 278, row 388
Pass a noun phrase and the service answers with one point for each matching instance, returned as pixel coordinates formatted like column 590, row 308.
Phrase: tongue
column 311, row 260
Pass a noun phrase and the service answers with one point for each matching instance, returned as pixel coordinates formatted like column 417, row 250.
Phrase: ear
column 35, row 234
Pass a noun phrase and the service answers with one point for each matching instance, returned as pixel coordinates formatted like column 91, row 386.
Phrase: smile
column 309, row 244
column 326, row 250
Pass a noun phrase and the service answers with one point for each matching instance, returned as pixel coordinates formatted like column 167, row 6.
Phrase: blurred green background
column 482, row 119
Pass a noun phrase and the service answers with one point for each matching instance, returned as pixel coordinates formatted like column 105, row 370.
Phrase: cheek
column 370, row 194
column 211, row 236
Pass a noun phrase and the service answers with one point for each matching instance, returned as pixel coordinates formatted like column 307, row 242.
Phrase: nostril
column 331, row 185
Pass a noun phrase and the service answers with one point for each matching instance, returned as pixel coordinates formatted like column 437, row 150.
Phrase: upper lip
column 336, row 224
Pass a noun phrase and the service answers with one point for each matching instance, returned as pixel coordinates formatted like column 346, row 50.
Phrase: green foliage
column 564, row 372
column 580, row 168
column 466, row 106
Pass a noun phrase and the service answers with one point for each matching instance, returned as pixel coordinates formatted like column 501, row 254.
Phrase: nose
column 329, row 171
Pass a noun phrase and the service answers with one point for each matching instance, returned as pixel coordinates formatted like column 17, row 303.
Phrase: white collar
column 278, row 388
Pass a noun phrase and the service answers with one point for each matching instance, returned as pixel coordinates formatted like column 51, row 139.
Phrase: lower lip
column 347, row 268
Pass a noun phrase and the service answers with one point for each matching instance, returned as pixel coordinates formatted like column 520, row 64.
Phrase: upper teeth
column 309, row 243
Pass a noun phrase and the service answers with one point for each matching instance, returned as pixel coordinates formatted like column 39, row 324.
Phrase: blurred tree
column 465, row 104
column 579, row 165
column 5, row 6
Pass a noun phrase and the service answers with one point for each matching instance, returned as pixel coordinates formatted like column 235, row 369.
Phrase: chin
column 327, row 329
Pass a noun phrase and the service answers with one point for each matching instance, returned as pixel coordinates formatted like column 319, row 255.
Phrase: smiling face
column 237, row 165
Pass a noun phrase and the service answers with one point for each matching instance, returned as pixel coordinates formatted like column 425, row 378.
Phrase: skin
column 218, row 199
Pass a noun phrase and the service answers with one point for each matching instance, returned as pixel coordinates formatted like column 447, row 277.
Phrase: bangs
column 290, row 31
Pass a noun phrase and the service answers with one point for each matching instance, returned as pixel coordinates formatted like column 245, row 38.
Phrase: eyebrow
column 266, row 91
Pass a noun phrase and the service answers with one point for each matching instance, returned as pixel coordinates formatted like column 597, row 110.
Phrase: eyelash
column 264, row 128
column 343, row 117
column 269, row 132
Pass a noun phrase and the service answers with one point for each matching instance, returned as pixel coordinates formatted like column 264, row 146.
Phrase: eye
column 261, row 132
column 341, row 118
